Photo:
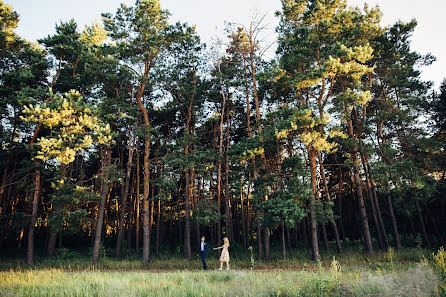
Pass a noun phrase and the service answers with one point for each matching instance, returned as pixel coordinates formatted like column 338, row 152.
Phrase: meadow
column 408, row 272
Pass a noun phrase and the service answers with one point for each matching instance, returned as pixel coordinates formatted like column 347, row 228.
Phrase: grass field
column 397, row 273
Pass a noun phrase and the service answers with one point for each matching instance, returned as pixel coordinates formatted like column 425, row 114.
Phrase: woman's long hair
column 226, row 242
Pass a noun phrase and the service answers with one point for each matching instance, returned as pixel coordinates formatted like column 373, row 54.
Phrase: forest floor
column 407, row 272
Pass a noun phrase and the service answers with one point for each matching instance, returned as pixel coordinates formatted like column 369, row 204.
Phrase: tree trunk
column 152, row 203
column 137, row 218
column 145, row 206
column 283, row 241
column 158, row 219
column 248, row 222
column 219, row 165
column 374, row 203
column 362, row 211
column 196, row 210
column 189, row 178
column 187, row 246
column 125, row 193
column 327, row 193
column 388, row 196
column 158, row 222
column 146, row 162
column 358, row 185
column 104, row 191
column 313, row 173
column 266, row 242
column 37, row 186
column 51, row 244
column 375, row 218
column 32, row 224
column 228, row 222
column 324, row 234
column 132, row 205
column 378, row 212
column 423, row 227
column 242, row 214
column 392, row 216
column 259, row 235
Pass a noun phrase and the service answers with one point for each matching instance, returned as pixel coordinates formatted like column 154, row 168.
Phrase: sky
column 38, row 18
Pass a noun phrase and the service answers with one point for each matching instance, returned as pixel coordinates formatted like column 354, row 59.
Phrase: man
column 203, row 250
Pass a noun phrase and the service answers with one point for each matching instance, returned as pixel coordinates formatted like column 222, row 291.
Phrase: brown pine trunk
column 362, row 211
column 313, row 224
column 378, row 212
column 37, row 186
column 358, row 186
column 124, row 195
column 132, row 205
column 242, row 215
column 288, row 237
column 51, row 244
column 146, row 162
column 248, row 224
column 375, row 218
column 327, row 193
column 341, row 182
column 374, row 203
column 158, row 222
column 392, row 216
column 228, row 222
column 388, row 196
column 258, row 122
column 219, row 165
column 283, row 241
column 32, row 224
column 259, row 235
column 137, row 218
column 152, row 204
column 248, row 128
column 196, row 210
column 187, row 246
column 423, row 227
column 158, row 219
column 266, row 242
column 104, row 191
column 189, row 177
column 324, row 234
column 145, row 206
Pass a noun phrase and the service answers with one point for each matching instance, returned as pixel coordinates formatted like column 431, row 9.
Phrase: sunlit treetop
column 9, row 20
column 74, row 126
column 94, row 35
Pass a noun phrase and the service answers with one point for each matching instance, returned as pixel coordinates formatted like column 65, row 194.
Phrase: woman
column 224, row 257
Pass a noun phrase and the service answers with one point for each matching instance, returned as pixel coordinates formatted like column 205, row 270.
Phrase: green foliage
column 206, row 213
column 138, row 31
column 74, row 127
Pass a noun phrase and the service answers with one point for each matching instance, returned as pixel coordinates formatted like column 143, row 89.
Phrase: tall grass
column 70, row 273
column 418, row 281
column 296, row 260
